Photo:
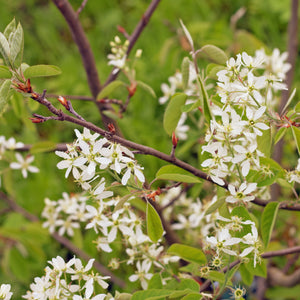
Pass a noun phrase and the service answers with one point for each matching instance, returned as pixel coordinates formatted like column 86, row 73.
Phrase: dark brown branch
column 62, row 240
column 135, row 35
column 87, row 57
column 59, row 147
column 82, row 43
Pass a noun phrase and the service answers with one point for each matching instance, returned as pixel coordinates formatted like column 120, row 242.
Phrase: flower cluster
column 67, row 280
column 88, row 153
column 241, row 117
column 225, row 241
column 187, row 215
column 294, row 176
column 118, row 56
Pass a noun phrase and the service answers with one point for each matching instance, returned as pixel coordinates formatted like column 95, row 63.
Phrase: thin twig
column 135, row 35
column 81, row 7
column 72, row 97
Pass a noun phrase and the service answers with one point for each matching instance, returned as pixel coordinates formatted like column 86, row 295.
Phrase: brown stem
column 87, row 57
column 62, row 240
column 135, row 35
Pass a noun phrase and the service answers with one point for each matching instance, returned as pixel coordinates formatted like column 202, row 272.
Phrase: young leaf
column 16, row 43
column 175, row 173
column 11, row 27
column 206, row 105
column 5, row 72
column 213, row 207
column 185, row 71
column 264, row 142
column 213, row 53
column 17, row 46
column 154, row 226
column 247, row 277
column 188, row 253
column 187, row 34
column 296, row 135
column 107, row 90
column 4, row 49
column 4, row 89
column 289, row 101
column 279, row 134
column 41, row 71
column 173, row 112
column 146, row 88
column 268, row 221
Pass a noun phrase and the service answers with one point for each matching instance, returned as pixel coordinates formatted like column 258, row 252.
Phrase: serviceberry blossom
column 142, row 273
column 67, row 280
column 223, row 241
column 24, row 164
column 242, row 193
column 118, row 56
column 5, row 293
column 252, row 240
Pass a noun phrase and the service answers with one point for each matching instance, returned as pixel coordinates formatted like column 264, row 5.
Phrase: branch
column 87, row 57
column 82, row 43
column 145, row 149
column 62, row 240
column 135, row 35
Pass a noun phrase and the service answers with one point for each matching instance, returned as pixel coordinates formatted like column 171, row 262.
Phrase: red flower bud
column 174, row 140
column 37, row 120
column 111, row 128
column 63, row 101
column 132, row 89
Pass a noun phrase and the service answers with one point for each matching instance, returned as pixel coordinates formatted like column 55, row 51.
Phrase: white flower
column 223, row 241
column 11, row 144
column 181, row 129
column 241, row 193
column 142, row 273
column 252, row 240
column 24, row 164
column 132, row 167
column 5, row 293
column 253, row 116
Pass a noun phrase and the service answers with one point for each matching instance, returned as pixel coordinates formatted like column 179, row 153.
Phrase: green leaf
column 16, row 44
column 264, row 142
column 213, row 53
column 192, row 296
column 155, row 282
column 246, row 41
column 148, row 294
column 40, row 147
column 41, row 71
column 4, row 89
column 279, row 134
column 212, row 208
column 11, row 27
column 191, row 106
column 288, row 101
column 180, row 293
column 173, row 112
column 212, row 70
column 154, row 227
column 170, row 172
column 247, row 277
column 296, row 135
column 206, row 105
column 146, row 88
column 217, row 276
column 5, row 72
column 4, row 49
column 268, row 221
column 187, row 34
column 107, row 90
column 188, row 253
column 259, row 270
column 185, row 71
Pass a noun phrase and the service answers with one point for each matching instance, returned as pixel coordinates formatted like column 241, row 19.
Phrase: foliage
column 179, row 203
